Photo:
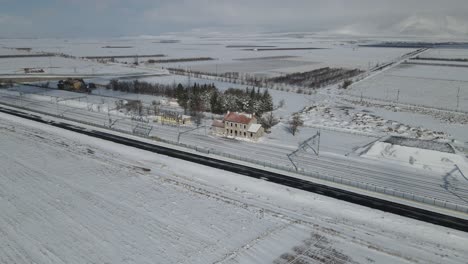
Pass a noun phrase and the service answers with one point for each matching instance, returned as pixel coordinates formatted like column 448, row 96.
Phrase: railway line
column 364, row 200
column 405, row 180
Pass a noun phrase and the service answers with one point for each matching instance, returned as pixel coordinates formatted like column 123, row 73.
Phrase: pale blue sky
column 68, row 18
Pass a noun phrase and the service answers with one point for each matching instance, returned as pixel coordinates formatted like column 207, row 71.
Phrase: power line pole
column 318, row 145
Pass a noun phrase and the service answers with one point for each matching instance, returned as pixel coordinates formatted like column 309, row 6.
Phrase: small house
column 239, row 125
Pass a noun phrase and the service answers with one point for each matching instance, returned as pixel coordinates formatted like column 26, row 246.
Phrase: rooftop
column 218, row 123
column 235, row 117
column 254, row 128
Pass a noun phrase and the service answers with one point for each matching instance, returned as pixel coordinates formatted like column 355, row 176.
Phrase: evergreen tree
column 267, row 102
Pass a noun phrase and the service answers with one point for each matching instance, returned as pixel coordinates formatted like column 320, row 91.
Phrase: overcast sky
column 91, row 18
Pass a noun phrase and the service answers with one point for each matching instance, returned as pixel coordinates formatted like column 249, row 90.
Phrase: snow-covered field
column 228, row 51
column 426, row 159
column 347, row 122
column 427, row 85
column 352, row 120
column 446, row 54
column 68, row 198
column 66, row 66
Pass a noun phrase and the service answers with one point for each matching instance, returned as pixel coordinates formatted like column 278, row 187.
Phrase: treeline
column 140, row 87
column 317, row 78
column 441, row 59
column 303, row 82
column 202, row 97
column 6, row 83
column 180, row 60
column 206, row 98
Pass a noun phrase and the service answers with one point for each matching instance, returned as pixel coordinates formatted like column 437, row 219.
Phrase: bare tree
column 295, row 123
column 346, row 84
column 281, row 103
column 197, row 118
column 268, row 121
column 156, row 105
column 119, row 104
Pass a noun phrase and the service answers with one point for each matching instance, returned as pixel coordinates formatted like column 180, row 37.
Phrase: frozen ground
column 447, row 54
column 426, row 159
column 334, row 52
column 452, row 124
column 68, row 198
column 352, row 120
column 346, row 123
column 427, row 85
column 64, row 66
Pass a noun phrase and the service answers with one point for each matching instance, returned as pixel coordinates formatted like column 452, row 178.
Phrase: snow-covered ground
column 347, row 122
column 226, row 50
column 427, row 85
column 426, row 159
column 446, row 54
column 68, row 198
column 348, row 119
column 66, row 66
column 336, row 148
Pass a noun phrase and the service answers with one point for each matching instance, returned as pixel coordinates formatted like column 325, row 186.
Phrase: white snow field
column 69, row 198
column 446, row 54
column 230, row 52
column 67, row 66
column 426, row 159
column 427, row 85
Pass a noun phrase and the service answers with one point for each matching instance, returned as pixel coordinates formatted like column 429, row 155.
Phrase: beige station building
column 238, row 125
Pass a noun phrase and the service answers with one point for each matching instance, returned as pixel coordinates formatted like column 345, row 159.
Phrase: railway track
column 348, row 196
column 412, row 183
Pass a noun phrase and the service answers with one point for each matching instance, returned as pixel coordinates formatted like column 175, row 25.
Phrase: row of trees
column 207, row 98
column 301, row 82
column 142, row 88
column 202, row 97
column 6, row 83
column 317, row 78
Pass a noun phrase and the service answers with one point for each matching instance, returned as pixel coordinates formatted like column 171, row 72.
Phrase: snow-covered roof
column 254, row 128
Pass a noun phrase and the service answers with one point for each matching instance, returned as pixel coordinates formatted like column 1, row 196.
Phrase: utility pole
column 458, row 98
column 318, row 146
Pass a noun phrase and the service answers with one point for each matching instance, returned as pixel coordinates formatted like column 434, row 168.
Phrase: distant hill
column 419, row 25
column 415, row 26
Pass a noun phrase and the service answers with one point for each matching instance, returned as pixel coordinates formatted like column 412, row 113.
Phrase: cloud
column 123, row 17
column 9, row 20
column 300, row 14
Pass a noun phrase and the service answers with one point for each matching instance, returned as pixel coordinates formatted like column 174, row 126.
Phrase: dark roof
column 237, row 118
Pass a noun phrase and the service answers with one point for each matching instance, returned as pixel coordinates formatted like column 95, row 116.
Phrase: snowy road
column 332, row 162
column 69, row 198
